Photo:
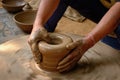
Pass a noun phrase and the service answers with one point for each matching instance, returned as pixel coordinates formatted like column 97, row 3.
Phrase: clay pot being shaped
column 53, row 52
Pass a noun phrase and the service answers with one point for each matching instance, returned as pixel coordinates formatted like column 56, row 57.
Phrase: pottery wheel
column 101, row 62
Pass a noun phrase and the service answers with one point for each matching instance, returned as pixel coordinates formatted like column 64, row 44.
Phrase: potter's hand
column 78, row 48
column 35, row 37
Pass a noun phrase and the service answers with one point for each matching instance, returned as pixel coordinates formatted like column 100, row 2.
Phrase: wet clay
column 54, row 51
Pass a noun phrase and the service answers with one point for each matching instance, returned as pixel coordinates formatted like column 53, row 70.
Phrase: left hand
column 36, row 36
column 77, row 50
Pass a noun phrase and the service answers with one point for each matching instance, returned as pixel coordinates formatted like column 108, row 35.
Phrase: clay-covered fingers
column 74, row 44
column 74, row 53
column 36, row 53
column 38, row 35
column 68, row 62
column 68, row 66
column 41, row 34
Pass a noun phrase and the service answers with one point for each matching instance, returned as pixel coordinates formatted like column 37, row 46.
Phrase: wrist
column 37, row 27
column 89, row 40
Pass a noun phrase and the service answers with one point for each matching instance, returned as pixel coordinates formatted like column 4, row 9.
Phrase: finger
column 36, row 53
column 73, row 54
column 39, row 34
column 34, row 46
column 47, row 38
column 74, row 44
column 37, row 57
column 69, row 66
column 30, row 41
column 69, row 63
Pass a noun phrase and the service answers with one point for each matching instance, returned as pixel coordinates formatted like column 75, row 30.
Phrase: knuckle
column 31, row 40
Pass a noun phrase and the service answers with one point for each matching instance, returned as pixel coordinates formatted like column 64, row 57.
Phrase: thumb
column 74, row 44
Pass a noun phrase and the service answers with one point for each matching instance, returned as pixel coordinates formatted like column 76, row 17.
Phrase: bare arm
column 108, row 23
column 45, row 10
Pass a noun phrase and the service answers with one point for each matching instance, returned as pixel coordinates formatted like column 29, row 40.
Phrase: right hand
column 35, row 37
column 78, row 48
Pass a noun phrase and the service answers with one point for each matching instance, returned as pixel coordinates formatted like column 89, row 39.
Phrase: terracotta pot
column 25, row 20
column 13, row 6
column 27, row 7
column 54, row 52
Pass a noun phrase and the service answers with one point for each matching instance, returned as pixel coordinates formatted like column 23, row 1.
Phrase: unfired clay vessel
column 25, row 20
column 13, row 6
column 54, row 52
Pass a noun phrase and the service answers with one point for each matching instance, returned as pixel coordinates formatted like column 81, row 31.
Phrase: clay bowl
column 13, row 6
column 25, row 20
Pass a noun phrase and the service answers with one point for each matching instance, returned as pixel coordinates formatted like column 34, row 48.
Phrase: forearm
column 45, row 10
column 107, row 24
